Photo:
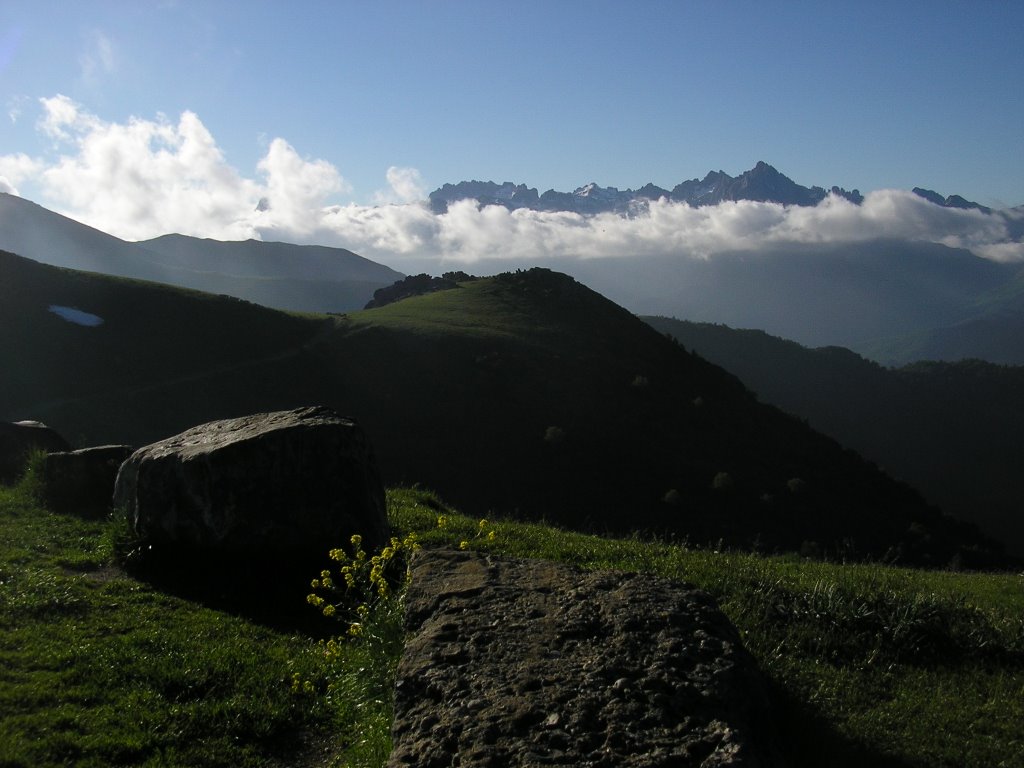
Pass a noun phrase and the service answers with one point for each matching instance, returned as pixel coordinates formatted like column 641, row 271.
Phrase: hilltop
column 524, row 394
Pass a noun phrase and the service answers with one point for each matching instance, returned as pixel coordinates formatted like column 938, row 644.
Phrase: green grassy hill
column 525, row 395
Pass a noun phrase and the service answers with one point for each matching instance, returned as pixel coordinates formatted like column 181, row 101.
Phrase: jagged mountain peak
column 953, row 201
column 763, row 183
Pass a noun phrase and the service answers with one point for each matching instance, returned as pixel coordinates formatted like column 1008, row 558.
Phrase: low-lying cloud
column 145, row 178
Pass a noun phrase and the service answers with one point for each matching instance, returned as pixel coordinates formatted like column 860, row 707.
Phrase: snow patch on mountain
column 76, row 316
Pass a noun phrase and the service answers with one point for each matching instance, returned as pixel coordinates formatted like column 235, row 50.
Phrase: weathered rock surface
column 18, row 439
column 286, row 485
column 82, row 482
column 529, row 663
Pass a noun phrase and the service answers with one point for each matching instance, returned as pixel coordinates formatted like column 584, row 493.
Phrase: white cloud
column 16, row 106
column 14, row 169
column 144, row 178
column 97, row 59
column 295, row 190
column 405, row 186
column 469, row 233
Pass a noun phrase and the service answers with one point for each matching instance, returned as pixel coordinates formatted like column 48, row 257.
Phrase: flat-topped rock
column 284, row 485
column 530, row 663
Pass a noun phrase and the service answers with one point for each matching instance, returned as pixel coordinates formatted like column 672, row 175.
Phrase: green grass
column 872, row 665
column 97, row 669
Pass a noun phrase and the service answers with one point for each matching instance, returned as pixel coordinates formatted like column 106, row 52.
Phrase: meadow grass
column 871, row 665
column 99, row 669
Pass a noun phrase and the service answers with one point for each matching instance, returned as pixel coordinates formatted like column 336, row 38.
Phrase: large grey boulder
column 82, row 482
column 20, row 438
column 284, row 485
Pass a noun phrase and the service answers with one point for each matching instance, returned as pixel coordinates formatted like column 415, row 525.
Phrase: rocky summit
column 761, row 183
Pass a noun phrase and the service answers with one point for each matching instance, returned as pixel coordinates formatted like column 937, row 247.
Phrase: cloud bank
column 145, row 178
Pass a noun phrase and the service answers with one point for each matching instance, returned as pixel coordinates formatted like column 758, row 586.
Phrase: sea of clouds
column 144, row 178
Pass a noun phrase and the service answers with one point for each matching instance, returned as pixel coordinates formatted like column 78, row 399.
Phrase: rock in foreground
column 82, row 482
column 285, row 485
column 19, row 439
column 528, row 663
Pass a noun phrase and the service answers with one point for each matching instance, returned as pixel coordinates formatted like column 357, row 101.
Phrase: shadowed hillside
column 525, row 394
column 952, row 430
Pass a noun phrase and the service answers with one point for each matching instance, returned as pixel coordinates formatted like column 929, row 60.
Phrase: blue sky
column 867, row 95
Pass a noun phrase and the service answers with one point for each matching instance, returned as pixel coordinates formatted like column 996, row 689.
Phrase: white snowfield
column 76, row 316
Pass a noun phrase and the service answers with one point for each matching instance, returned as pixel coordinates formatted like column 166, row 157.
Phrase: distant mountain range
column 762, row 183
column 892, row 300
column 304, row 278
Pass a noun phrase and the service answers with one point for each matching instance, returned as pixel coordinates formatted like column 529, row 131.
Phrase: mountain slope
column 950, row 429
column 272, row 261
column 994, row 331
column 524, row 394
column 40, row 234
column 822, row 294
column 280, row 275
